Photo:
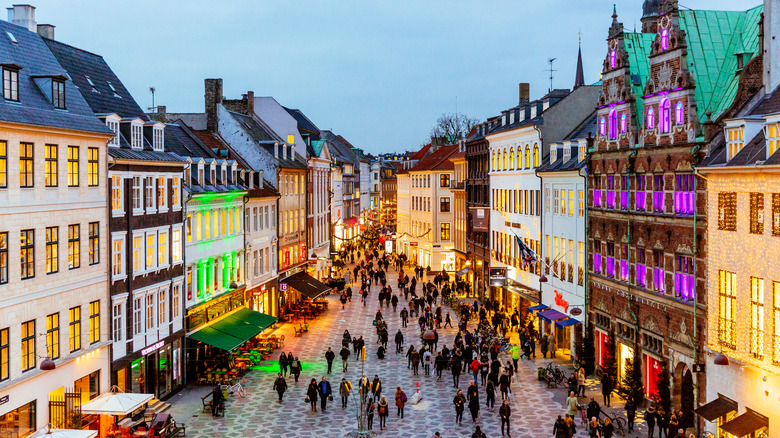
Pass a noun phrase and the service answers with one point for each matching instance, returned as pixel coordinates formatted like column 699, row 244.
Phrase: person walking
column 503, row 386
column 460, row 405
column 478, row 433
column 505, row 412
column 606, row 388
column 344, row 390
column 370, row 413
column 572, row 404
column 593, row 409
column 490, row 394
column 484, row 369
column 560, row 429
column 594, row 429
column 364, row 387
column 295, row 368
column 280, row 386
column 581, row 382
column 472, row 395
column 515, row 352
column 376, row 387
column 607, row 429
column 650, row 417
column 415, row 359
column 400, row 401
column 329, row 356
column 382, row 410
column 216, row 400
column 404, row 317
column 662, row 421
column 630, row 409
column 399, row 342
column 447, row 320
column 311, row 394
column 455, row 368
column 543, row 344
column 440, row 364
column 283, row 363
column 343, row 299
column 325, row 393
column 474, row 368
column 344, row 353
column 427, row 362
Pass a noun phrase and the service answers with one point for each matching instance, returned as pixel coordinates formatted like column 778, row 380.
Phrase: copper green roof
column 317, row 146
column 638, row 46
column 714, row 38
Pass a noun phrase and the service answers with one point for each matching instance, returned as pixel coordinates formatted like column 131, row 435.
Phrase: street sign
column 283, row 287
column 698, row 368
column 575, row 311
column 3, row 399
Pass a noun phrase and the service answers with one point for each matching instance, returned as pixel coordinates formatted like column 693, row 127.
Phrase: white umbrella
column 51, row 432
column 115, row 402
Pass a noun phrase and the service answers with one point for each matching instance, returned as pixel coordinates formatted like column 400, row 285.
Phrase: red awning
column 350, row 221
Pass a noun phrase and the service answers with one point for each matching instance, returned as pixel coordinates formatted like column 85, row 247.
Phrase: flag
column 526, row 253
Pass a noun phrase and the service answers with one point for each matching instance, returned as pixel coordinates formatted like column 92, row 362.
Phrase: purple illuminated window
column 611, row 259
column 659, row 280
column 623, row 123
column 603, row 127
column 624, row 262
column 684, row 280
column 612, row 59
column 597, row 261
column 679, row 113
column 611, row 191
column 641, row 268
column 658, row 194
column 650, row 118
column 613, row 125
column 641, row 198
column 683, row 197
column 624, row 193
column 664, row 39
column 666, row 116
column 597, row 198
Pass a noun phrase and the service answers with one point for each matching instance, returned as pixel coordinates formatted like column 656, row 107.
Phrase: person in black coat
column 325, row 392
column 593, row 409
column 560, row 429
column 216, row 399
column 460, row 404
column 329, row 356
column 455, row 367
column 504, row 412
column 472, row 395
column 280, row 386
column 606, row 388
column 311, row 393
column 399, row 342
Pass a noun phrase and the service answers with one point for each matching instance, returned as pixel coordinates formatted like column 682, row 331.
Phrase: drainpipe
column 629, row 167
column 694, row 163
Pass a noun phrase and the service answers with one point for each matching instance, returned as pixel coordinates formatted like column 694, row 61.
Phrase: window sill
column 115, row 213
column 118, row 278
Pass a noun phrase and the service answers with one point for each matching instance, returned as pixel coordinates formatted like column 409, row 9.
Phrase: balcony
column 458, row 185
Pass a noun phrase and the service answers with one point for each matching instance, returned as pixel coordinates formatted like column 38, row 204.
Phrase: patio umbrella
column 115, row 402
column 51, row 432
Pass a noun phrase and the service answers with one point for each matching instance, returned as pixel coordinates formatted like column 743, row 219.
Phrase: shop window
column 22, row 421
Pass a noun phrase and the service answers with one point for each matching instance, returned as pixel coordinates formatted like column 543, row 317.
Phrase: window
column 94, row 243
column 116, row 194
column 445, row 231
column 611, row 259
column 571, row 202
column 162, row 303
column 92, row 167
column 158, row 139
column 776, row 214
column 3, row 164
column 611, row 192
column 138, row 318
column 547, row 200
column 603, row 127
column 666, row 116
column 73, row 166
column 679, row 114
column 27, row 253
column 58, row 94
column 444, row 205
column 683, row 197
column 11, row 84
column 138, row 243
column 151, row 250
column 598, row 265
column 536, row 156
column 51, row 165
column 641, row 268
column 5, row 355
column 175, row 192
column 175, row 300
column 664, row 39
column 612, row 59
column 198, row 225
column 26, row 154
column 161, row 186
column 188, row 224
column 74, row 242
column 684, row 278
column 4, row 257
column 556, row 201
column 757, row 317
column 659, row 200
column 53, row 336
column 28, row 346
column 659, row 275
column 74, row 328
column 150, row 312
column 94, row 322
column 623, row 125
column 137, row 200
column 117, row 257
column 624, row 263
column 136, row 136
column 581, row 195
column 756, row 213
column 775, row 322
column 613, row 125
column 52, row 249
column 727, row 211
column 735, row 141
column 640, row 197
column 114, row 127
column 116, row 322
column 149, row 192
column 176, row 256
column 444, row 180
column 162, row 243
column 650, row 118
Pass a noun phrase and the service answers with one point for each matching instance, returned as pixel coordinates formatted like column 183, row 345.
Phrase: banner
column 480, row 219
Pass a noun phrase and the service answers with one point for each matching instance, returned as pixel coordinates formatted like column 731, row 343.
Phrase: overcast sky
column 377, row 72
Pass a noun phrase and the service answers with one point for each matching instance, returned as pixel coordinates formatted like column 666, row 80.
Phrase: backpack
column 403, row 397
column 382, row 410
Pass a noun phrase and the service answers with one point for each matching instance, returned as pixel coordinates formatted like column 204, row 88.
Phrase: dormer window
column 213, row 176
column 11, row 84
column 158, row 139
column 201, row 176
column 91, row 84
column 580, row 153
column 224, row 177
column 773, row 138
column 137, row 136
column 113, row 124
column 566, row 154
column 735, row 140
column 58, row 94
column 612, row 59
column 233, row 176
column 740, row 61
column 553, row 154
column 664, row 39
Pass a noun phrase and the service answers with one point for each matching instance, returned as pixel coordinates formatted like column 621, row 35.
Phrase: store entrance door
column 151, row 373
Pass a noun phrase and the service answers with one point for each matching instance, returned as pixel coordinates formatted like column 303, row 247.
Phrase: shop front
column 20, row 421
column 520, row 298
column 448, row 261
column 264, row 298
column 156, row 369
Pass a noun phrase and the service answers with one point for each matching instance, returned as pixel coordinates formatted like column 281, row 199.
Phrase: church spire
column 579, row 79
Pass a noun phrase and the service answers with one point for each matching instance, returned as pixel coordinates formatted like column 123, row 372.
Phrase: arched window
column 666, row 116
column 519, row 159
column 664, row 39
column 512, row 158
column 528, row 157
column 613, row 125
column 603, row 127
column 494, row 161
column 650, row 118
column 504, row 167
column 536, row 155
column 679, row 114
column 612, row 59
column 623, row 123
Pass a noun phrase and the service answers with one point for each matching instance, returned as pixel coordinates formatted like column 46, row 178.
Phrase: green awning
column 259, row 319
column 216, row 338
column 237, row 326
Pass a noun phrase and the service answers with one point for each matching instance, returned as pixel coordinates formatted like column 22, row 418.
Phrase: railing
column 458, row 185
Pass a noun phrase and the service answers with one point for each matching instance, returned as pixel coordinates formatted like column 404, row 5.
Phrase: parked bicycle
column 618, row 421
column 236, row 388
column 554, row 374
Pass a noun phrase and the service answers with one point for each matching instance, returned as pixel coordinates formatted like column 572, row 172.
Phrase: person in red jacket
column 475, row 368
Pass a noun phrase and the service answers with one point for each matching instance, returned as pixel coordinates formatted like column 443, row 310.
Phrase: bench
column 298, row 331
column 206, row 404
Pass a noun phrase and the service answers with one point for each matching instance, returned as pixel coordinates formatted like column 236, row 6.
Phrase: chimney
column 23, row 15
column 46, row 31
column 525, row 92
column 250, row 103
column 284, row 151
column 213, row 96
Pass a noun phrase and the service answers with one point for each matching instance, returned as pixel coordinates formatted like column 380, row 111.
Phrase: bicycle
column 237, row 388
column 554, row 374
column 618, row 421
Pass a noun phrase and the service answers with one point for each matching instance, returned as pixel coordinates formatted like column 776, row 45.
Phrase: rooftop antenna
column 151, row 89
column 551, row 60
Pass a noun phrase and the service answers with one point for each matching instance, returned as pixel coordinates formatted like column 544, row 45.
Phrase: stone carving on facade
column 640, row 242
column 658, row 245
column 682, row 335
column 684, row 249
column 664, row 78
column 600, row 304
column 612, row 91
column 625, row 315
column 651, row 325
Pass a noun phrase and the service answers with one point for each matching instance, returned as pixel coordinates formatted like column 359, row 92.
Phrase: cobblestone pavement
column 260, row 415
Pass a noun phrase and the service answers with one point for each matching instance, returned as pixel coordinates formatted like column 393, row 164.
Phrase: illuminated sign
column 498, row 276
column 559, row 301
column 283, row 287
column 152, row 348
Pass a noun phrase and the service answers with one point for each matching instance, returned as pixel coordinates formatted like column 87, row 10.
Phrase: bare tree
column 452, row 127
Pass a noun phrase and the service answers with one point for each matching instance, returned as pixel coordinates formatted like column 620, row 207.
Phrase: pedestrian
column 569, row 420
column 400, row 401
column 364, row 387
column 404, row 317
column 593, row 409
column 283, row 363
column 650, row 417
column 515, row 351
column 490, row 394
column 399, row 342
column 311, row 394
column 440, row 364
column 427, row 362
column 415, row 358
column 478, row 433
column 295, row 368
column 455, row 368
column 607, row 429
column 376, row 387
column 484, row 369
column 503, row 385
column 409, row 357
column 543, row 344
column 560, row 430
column 475, row 365
column 593, row 428
column 216, row 400
column 344, row 390
column 280, row 386
column 572, row 404
column 681, row 433
column 630, row 409
column 382, row 410
column 472, row 395
column 343, row 299
column 674, row 422
column 370, row 414
column 504, row 412
column 329, row 356
column 581, row 381
column 344, row 353
column 662, row 421
column 606, row 388
column 460, row 404
column 325, row 392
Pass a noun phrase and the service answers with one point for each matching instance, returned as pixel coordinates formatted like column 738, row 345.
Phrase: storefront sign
column 698, row 368
column 152, row 348
column 559, row 301
column 576, row 311
column 389, row 246
column 259, row 292
column 498, row 276
column 283, row 287
column 3, row 400
column 480, row 219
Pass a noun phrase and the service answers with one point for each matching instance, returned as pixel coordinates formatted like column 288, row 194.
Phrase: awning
column 306, row 284
column 538, row 307
column 237, row 326
column 115, row 402
column 52, row 432
column 350, row 221
column 566, row 322
column 462, row 272
column 717, row 408
column 338, row 263
column 551, row 315
column 216, row 338
column 747, row 423
column 259, row 319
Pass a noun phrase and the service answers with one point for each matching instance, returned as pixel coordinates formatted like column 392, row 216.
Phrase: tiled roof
column 770, row 104
column 259, row 131
column 303, row 121
column 419, row 155
column 180, row 140
column 437, row 160
column 266, row 191
column 34, row 58
column 265, row 138
column 638, row 47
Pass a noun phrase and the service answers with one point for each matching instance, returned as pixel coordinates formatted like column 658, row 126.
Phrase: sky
column 377, row 72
